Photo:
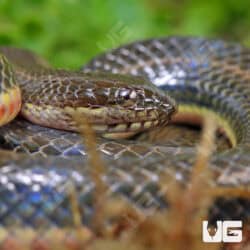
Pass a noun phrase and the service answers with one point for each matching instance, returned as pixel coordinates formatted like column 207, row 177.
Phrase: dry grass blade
column 96, row 167
column 189, row 206
column 83, row 234
column 176, row 229
column 52, row 239
column 238, row 192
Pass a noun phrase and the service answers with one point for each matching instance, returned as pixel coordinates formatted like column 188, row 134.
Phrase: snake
column 136, row 88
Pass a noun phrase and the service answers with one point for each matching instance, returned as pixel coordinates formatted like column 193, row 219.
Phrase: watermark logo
column 116, row 35
column 226, row 231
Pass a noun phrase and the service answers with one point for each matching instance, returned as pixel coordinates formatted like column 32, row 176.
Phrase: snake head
column 10, row 95
column 115, row 105
column 118, row 106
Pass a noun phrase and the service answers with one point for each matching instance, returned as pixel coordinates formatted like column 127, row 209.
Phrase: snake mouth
column 126, row 130
column 118, row 122
column 142, row 120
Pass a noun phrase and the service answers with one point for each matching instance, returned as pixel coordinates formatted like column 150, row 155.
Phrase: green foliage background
column 69, row 32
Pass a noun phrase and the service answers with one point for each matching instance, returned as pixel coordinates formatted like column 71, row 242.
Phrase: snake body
column 203, row 76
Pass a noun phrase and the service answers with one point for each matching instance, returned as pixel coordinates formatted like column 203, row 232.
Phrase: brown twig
column 96, row 167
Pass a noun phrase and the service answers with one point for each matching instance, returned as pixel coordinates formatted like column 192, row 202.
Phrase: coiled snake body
column 203, row 76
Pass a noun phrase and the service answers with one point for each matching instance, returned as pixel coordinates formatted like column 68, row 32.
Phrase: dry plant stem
column 180, row 227
column 125, row 217
column 238, row 192
column 96, row 167
column 188, row 206
column 201, row 174
column 53, row 239
column 83, row 234
column 205, row 149
column 74, row 207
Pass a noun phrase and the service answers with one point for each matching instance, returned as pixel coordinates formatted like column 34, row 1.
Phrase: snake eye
column 125, row 94
column 125, row 97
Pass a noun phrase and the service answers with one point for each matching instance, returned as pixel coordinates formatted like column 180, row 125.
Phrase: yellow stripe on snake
column 123, row 92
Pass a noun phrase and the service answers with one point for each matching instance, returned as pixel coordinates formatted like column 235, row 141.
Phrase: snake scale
column 37, row 163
